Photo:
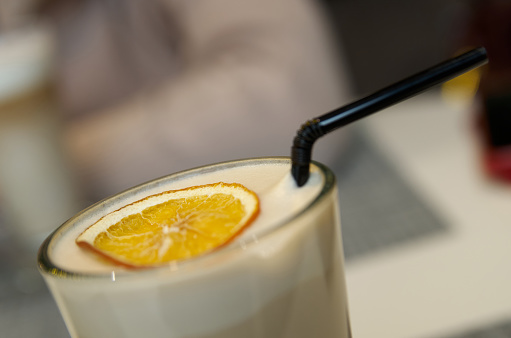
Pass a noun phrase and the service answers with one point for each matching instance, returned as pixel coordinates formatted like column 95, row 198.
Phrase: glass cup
column 284, row 281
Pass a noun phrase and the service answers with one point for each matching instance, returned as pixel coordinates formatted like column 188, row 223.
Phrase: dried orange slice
column 173, row 225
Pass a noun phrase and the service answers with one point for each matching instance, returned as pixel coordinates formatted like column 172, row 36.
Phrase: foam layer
column 279, row 196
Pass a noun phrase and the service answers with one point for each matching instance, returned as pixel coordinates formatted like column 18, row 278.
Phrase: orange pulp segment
column 172, row 225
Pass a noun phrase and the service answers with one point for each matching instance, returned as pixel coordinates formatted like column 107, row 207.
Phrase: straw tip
column 300, row 174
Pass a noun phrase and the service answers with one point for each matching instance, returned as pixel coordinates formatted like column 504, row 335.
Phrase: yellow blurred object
column 462, row 89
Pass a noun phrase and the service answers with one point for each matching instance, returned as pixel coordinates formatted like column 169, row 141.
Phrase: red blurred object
column 490, row 26
column 498, row 163
column 496, row 160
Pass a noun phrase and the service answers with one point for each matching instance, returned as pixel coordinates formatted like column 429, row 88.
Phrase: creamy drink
column 283, row 277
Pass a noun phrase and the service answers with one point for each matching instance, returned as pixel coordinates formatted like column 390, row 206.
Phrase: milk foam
column 280, row 199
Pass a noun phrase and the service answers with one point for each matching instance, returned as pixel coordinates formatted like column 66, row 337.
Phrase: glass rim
column 47, row 267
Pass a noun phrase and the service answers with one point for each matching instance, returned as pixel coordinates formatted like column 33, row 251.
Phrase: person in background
column 153, row 87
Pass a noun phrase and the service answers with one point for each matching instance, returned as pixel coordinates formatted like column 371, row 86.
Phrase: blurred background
column 97, row 96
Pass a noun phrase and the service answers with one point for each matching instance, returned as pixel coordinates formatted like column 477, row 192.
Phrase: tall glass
column 282, row 281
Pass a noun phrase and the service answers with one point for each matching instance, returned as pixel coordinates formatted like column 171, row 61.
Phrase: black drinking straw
column 313, row 129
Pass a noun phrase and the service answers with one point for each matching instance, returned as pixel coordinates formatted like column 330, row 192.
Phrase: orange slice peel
column 173, row 225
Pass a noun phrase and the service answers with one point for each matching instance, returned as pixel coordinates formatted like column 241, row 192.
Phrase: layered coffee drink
column 281, row 276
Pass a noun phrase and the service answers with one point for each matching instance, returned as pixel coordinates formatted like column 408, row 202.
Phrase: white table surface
column 454, row 281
